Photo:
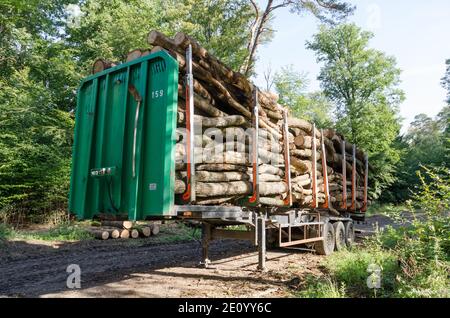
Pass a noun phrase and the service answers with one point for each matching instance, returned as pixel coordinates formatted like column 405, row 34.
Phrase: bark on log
column 224, row 94
column 113, row 232
column 118, row 224
column 134, row 233
column 302, row 124
column 144, row 231
column 101, row 65
column 208, row 189
column 265, row 177
column 134, row 54
column 157, row 38
column 180, row 187
column 269, row 169
column 221, row 167
column 124, row 234
column 271, row 201
column 204, row 105
column 212, row 63
column 226, row 176
column 99, row 233
column 305, row 142
column 214, row 200
column 155, row 228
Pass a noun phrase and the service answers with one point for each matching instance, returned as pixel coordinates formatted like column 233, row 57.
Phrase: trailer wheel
column 340, row 234
column 349, row 233
column 326, row 246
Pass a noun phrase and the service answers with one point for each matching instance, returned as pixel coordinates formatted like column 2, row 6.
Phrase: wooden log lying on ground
column 113, row 232
column 124, row 234
column 118, row 224
column 155, row 228
column 144, row 231
column 99, row 233
column 134, row 233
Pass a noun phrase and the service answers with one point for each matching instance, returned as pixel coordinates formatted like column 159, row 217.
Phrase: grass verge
column 70, row 231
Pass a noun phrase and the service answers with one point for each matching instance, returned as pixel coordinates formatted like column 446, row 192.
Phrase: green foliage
column 363, row 84
column 35, row 145
column 5, row 232
column 423, row 247
column 414, row 258
column 446, row 80
column 425, row 143
column 179, row 232
column 322, row 288
column 110, row 29
column 385, row 209
column 291, row 87
column 67, row 231
column 351, row 268
column 63, row 232
column 329, row 11
column 45, row 49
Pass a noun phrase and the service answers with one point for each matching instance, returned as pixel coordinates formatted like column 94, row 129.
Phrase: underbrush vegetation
column 67, row 231
column 179, row 232
column 413, row 259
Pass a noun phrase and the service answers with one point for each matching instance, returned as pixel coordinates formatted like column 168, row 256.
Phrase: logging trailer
column 123, row 165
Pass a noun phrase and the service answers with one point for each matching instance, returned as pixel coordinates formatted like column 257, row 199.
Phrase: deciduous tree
column 261, row 31
column 363, row 84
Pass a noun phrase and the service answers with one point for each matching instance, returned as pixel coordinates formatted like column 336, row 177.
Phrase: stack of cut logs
column 122, row 229
column 223, row 103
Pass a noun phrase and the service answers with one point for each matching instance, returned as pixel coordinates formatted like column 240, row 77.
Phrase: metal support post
column 261, row 243
column 206, row 238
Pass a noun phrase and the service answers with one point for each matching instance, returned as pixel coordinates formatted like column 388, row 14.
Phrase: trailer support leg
column 261, row 228
column 206, row 237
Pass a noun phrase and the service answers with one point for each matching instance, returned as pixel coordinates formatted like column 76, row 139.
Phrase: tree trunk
column 101, row 65
column 99, row 234
column 124, row 234
column 133, row 55
column 118, row 224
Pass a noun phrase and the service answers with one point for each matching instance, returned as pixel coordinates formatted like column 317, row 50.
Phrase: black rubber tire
column 340, row 235
column 349, row 233
column 326, row 246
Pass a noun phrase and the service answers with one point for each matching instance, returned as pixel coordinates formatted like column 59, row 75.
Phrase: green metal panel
column 102, row 178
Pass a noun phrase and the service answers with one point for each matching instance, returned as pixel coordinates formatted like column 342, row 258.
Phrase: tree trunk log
column 99, row 234
column 101, row 65
column 118, row 224
column 133, row 55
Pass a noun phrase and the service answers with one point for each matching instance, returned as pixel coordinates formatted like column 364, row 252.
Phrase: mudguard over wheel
column 340, row 234
column 349, row 233
column 326, row 246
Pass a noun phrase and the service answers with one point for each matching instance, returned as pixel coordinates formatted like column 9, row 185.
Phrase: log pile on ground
column 122, row 229
column 223, row 101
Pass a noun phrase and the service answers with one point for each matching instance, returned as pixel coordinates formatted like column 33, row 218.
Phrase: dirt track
column 145, row 268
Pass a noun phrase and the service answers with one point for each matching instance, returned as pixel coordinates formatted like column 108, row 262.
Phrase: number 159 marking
column 158, row 93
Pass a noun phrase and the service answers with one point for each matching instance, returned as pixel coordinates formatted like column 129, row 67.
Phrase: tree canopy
column 47, row 46
column 424, row 144
column 291, row 86
column 327, row 11
column 363, row 85
column 446, row 80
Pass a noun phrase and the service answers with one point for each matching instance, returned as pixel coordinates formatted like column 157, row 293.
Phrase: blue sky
column 416, row 32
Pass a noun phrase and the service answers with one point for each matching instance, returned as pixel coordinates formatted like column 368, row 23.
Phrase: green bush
column 422, row 246
column 351, row 268
column 322, row 288
column 5, row 232
column 413, row 258
column 35, row 148
column 64, row 232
